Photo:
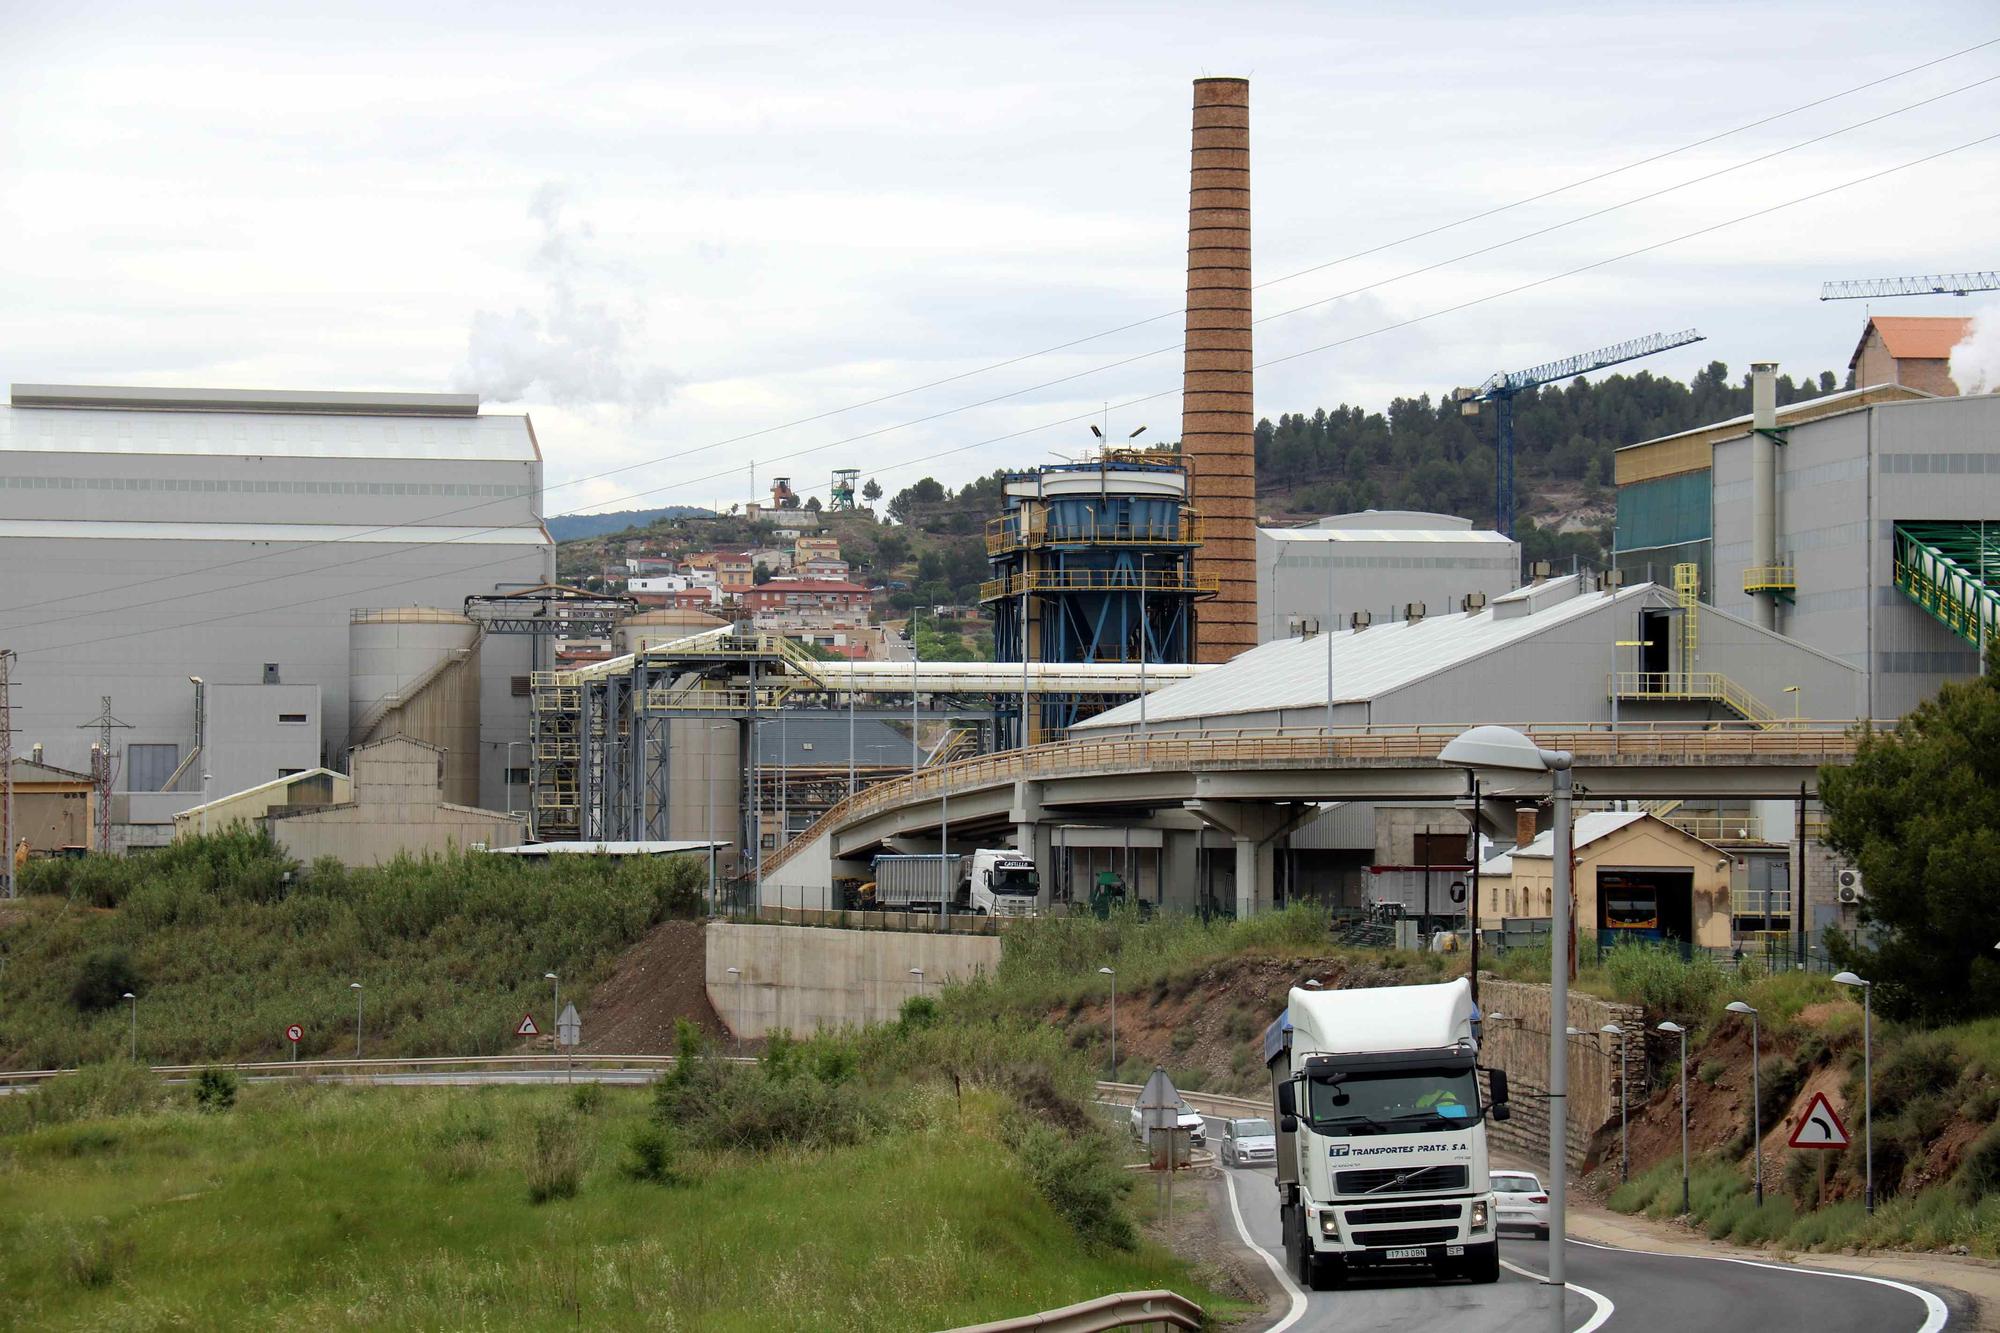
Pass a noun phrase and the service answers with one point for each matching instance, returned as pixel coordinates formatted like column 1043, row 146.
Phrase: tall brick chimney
column 1218, row 424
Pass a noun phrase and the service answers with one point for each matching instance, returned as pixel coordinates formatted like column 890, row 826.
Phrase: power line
column 1075, row 342
column 1164, row 393
column 471, row 538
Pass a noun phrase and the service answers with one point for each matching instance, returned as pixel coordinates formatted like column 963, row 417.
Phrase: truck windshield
column 1010, row 880
column 1407, row 1101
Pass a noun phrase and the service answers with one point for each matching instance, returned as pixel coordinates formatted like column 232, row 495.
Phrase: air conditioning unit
column 1850, row 888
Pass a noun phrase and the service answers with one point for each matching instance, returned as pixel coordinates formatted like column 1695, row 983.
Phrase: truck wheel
column 1482, row 1263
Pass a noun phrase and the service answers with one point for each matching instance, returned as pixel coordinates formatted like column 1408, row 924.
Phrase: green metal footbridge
column 1952, row 570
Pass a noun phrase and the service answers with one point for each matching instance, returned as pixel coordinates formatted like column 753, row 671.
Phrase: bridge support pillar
column 1031, row 836
column 1253, row 827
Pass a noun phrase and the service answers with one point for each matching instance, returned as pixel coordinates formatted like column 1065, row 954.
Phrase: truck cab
column 1382, row 1156
column 1002, row 882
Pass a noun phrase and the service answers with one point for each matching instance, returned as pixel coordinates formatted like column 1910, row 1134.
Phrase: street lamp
column 1624, row 1079
column 918, row 973
column 355, row 986
column 1108, row 972
column 555, row 1003
column 1505, row 749
column 135, row 1025
column 1793, row 690
column 1673, row 1028
column 1756, row 1094
column 1867, row 1077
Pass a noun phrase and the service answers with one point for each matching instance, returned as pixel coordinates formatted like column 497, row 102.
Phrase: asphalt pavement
column 1610, row 1289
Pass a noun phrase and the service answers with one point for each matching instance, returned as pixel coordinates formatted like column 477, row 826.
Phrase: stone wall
column 802, row 978
column 1516, row 1038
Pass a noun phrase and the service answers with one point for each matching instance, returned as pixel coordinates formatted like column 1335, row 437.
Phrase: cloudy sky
column 686, row 241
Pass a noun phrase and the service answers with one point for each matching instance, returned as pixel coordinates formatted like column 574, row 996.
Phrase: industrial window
column 291, row 717
column 517, row 777
column 147, row 767
column 520, row 687
column 290, row 772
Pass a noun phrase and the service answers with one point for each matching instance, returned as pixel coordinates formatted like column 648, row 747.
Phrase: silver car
column 1248, row 1143
column 1520, row 1203
column 1188, row 1118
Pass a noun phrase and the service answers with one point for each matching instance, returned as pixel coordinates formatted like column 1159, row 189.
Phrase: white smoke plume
column 577, row 350
column 1975, row 362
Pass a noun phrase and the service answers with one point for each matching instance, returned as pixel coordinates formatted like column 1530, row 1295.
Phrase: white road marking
column 1298, row 1310
column 1596, row 1298
column 1935, row 1311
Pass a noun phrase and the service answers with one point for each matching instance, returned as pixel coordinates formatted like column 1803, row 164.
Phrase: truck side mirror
column 1288, row 1102
column 1496, row 1082
column 1289, row 1123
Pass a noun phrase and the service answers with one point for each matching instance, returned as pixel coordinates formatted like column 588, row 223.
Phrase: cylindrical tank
column 648, row 628
column 414, row 671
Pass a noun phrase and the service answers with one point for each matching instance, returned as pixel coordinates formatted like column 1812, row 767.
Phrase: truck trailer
column 1382, row 1158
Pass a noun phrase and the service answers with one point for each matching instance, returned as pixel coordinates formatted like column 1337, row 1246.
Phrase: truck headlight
column 1479, row 1215
column 1329, row 1225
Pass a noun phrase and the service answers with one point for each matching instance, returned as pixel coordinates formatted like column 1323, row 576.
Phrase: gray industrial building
column 1877, row 513
column 216, row 564
column 1545, row 653
column 1377, row 562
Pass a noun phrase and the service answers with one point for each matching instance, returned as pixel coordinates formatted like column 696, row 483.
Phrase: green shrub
column 460, row 1146
column 555, row 1153
column 919, row 1011
column 215, row 1089
column 95, row 1092
column 1778, row 1082
column 1666, row 983
column 1979, row 1171
column 1834, row 1227
column 1528, row 962
column 1920, row 1064
column 1184, row 1039
column 103, row 980
column 1711, row 1071
column 1982, row 1103
column 1243, row 1024
column 650, row 1157
column 1080, row 1177
column 586, row 1098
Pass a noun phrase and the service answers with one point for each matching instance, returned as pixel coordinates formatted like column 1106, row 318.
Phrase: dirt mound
column 657, row 982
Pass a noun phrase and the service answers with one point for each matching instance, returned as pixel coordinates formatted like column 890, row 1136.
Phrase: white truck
column 1002, row 882
column 1381, row 1160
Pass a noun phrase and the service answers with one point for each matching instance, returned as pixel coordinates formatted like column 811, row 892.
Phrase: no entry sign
column 295, row 1034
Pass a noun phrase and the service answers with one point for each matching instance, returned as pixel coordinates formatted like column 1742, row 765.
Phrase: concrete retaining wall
column 1518, row 1042
column 802, row 978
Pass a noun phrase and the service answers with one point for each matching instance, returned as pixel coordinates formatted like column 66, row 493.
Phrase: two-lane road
column 1610, row 1289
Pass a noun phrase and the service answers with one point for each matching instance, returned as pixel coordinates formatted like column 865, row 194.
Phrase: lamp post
column 355, row 986
column 1676, row 1029
column 1624, row 1080
column 135, row 1025
column 1756, row 1095
column 1867, row 1077
column 1507, row 750
column 1793, row 690
column 555, row 1002
column 1108, row 972
column 204, row 803
column 918, row 973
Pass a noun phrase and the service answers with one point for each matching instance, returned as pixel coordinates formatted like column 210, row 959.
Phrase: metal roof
column 252, row 434
column 1480, row 536
column 1589, row 827
column 608, row 848
column 244, row 400
column 391, row 534
column 290, row 779
column 1367, row 663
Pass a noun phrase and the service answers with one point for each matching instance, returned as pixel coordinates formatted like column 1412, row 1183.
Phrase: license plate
column 1418, row 1253
column 1453, row 1251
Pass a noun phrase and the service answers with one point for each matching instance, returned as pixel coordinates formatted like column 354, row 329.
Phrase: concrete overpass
column 1253, row 787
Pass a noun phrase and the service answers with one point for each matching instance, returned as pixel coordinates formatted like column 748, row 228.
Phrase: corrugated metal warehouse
column 155, row 535
column 1377, row 561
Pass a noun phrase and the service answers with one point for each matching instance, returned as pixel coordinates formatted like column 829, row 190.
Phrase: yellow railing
column 1096, row 580
column 1812, row 742
column 1770, row 578
column 669, row 699
column 1696, row 687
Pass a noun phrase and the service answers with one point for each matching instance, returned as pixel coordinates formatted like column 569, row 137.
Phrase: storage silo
column 414, row 671
column 645, row 629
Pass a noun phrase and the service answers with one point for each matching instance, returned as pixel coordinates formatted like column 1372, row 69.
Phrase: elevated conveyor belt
column 1952, row 570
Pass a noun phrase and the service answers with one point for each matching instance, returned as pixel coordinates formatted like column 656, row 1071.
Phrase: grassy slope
column 316, row 1207
column 450, row 951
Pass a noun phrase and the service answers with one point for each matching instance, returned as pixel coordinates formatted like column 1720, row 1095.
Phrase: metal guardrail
column 1819, row 742
column 1125, row 1309
column 379, row 1066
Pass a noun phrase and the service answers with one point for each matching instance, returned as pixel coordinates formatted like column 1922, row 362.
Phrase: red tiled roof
column 1916, row 337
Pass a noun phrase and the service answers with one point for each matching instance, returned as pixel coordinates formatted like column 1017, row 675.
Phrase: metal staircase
column 1952, row 570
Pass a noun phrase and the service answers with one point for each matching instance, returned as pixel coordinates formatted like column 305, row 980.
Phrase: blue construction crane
column 1500, row 391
